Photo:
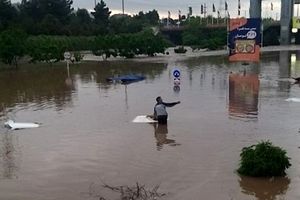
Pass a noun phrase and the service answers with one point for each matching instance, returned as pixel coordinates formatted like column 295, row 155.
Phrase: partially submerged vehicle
column 126, row 79
column 16, row 125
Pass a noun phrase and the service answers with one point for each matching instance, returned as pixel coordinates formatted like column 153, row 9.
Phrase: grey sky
column 163, row 6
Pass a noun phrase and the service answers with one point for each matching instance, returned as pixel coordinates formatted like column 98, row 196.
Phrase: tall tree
column 38, row 9
column 7, row 13
column 152, row 17
column 83, row 16
column 38, row 15
column 149, row 18
column 101, row 17
column 125, row 24
column 50, row 25
column 81, row 23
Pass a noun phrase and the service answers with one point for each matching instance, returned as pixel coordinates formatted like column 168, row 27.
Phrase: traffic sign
column 176, row 73
column 67, row 55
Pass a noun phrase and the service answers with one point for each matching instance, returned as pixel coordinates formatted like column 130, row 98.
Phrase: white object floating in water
column 293, row 100
column 15, row 125
column 143, row 119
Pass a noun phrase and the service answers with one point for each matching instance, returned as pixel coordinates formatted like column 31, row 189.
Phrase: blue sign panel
column 176, row 73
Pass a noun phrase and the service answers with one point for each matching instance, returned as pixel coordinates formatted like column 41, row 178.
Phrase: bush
column 12, row 46
column 45, row 49
column 263, row 160
column 77, row 56
column 180, row 50
column 129, row 45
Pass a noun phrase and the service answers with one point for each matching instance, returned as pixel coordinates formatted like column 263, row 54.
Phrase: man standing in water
column 160, row 113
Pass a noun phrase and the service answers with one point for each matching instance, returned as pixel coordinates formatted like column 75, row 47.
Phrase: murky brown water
column 87, row 136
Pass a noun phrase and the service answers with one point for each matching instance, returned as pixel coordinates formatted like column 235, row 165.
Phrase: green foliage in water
column 12, row 46
column 263, row 160
column 129, row 45
column 51, row 48
column 77, row 56
column 45, row 49
column 180, row 49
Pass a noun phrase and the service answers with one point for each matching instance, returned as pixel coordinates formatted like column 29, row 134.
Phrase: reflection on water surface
column 265, row 188
column 243, row 95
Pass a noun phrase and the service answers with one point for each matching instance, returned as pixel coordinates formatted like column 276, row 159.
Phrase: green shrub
column 129, row 45
column 77, row 56
column 263, row 160
column 45, row 49
column 12, row 46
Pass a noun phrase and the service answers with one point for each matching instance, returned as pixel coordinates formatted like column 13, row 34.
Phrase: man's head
column 158, row 99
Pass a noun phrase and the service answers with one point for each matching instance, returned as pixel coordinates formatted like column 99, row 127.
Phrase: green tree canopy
column 12, row 46
column 81, row 23
column 50, row 25
column 149, row 18
column 101, row 17
column 39, row 9
column 83, row 16
column 125, row 24
column 7, row 13
column 197, row 35
column 120, row 23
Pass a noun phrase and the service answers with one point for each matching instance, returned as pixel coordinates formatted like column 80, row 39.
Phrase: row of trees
column 16, row 44
column 198, row 35
column 129, row 45
column 45, row 29
column 57, row 17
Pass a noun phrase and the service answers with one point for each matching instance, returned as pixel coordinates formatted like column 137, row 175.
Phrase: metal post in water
column 68, row 68
column 285, row 21
column 67, row 56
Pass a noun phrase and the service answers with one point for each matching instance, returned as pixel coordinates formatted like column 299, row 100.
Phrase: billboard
column 296, row 22
column 244, row 39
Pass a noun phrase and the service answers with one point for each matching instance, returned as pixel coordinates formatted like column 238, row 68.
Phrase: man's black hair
column 158, row 98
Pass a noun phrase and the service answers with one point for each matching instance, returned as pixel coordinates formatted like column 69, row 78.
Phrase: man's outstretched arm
column 171, row 104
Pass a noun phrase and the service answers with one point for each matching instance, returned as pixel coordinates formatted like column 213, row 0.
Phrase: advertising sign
column 296, row 22
column 244, row 39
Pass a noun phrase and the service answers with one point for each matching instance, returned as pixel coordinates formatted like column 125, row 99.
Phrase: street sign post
column 176, row 74
column 67, row 56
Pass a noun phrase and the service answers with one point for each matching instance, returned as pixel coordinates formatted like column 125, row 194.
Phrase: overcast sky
column 163, row 6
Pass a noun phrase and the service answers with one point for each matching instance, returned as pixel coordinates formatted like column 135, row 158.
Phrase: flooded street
column 87, row 137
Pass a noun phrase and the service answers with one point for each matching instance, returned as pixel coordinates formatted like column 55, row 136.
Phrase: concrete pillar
column 285, row 21
column 255, row 8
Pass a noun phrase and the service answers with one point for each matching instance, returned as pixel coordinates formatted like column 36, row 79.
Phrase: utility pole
column 95, row 3
column 205, row 14
column 285, row 21
column 123, row 6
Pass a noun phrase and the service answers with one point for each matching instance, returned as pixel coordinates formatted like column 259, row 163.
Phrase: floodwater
column 87, row 137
